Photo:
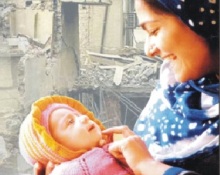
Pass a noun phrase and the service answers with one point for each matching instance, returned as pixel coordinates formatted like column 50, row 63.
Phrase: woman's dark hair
column 157, row 6
column 213, row 44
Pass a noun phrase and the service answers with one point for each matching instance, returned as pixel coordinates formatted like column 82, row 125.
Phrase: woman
column 179, row 127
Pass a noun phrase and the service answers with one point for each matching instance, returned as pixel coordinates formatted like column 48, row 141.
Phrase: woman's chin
column 181, row 78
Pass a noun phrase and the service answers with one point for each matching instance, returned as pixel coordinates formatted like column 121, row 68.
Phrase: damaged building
column 91, row 50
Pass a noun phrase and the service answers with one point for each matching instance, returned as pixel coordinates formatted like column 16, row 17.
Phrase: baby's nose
column 84, row 118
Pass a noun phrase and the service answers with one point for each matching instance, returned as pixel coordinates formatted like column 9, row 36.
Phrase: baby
column 62, row 130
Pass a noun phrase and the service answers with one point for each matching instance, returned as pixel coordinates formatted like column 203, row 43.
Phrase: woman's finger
column 39, row 169
column 132, row 149
column 49, row 168
column 115, row 150
column 124, row 130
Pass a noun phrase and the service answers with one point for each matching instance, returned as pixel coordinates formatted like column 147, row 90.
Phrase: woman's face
column 74, row 130
column 169, row 38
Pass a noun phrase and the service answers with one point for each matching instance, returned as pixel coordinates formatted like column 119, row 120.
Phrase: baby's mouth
column 91, row 127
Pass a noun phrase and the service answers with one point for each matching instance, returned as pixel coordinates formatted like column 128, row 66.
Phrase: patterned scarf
column 181, row 120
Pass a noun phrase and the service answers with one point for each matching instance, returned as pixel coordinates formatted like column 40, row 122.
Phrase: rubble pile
column 139, row 75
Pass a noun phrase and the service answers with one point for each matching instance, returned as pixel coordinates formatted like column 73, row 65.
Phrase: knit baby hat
column 48, row 111
column 35, row 142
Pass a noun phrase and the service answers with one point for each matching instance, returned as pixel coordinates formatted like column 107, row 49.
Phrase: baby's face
column 74, row 130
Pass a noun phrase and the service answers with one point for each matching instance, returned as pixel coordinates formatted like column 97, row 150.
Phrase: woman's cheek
column 163, row 43
column 181, row 72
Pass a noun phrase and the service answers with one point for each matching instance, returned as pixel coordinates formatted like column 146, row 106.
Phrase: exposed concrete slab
column 3, row 150
column 5, row 72
column 34, row 78
column 43, row 26
column 118, row 75
column 12, row 41
column 9, row 101
column 23, row 22
column 35, row 24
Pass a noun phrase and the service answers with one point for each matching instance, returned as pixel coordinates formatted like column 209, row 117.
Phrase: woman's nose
column 150, row 50
column 83, row 118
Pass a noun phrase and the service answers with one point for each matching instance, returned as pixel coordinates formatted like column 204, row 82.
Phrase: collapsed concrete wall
column 45, row 48
column 32, row 66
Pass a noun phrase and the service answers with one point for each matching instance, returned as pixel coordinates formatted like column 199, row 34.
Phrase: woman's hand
column 39, row 169
column 124, row 130
column 133, row 151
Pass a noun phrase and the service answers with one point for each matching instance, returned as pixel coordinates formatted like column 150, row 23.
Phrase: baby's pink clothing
column 98, row 161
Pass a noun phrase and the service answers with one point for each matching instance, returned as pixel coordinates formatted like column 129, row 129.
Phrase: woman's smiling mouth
column 169, row 57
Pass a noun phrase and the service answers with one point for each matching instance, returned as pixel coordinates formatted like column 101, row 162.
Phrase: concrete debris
column 13, row 42
column 3, row 151
column 135, row 74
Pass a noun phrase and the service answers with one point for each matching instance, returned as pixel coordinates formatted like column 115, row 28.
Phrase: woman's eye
column 153, row 32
